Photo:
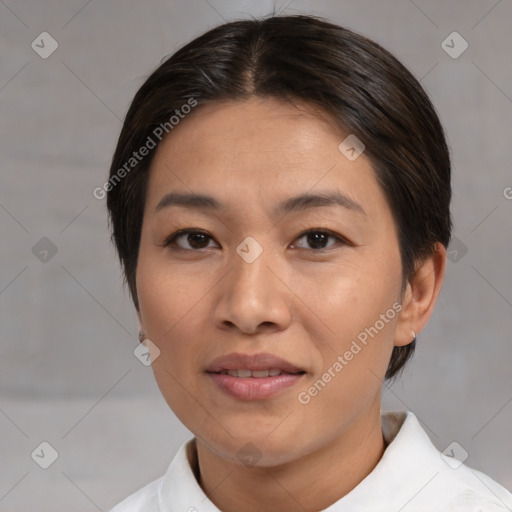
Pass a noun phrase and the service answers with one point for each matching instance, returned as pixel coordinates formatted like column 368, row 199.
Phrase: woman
column 280, row 202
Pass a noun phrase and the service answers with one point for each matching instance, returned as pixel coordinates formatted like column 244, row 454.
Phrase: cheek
column 167, row 297
column 355, row 314
column 348, row 298
column 353, row 331
column 173, row 313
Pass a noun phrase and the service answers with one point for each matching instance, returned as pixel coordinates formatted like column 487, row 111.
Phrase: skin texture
column 303, row 302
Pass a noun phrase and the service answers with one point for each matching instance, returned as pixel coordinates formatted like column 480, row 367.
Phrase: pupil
column 195, row 241
column 315, row 238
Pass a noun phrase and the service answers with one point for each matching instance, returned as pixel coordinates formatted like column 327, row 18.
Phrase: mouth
column 257, row 374
column 253, row 377
column 243, row 363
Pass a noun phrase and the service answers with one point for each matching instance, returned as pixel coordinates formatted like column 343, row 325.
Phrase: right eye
column 196, row 239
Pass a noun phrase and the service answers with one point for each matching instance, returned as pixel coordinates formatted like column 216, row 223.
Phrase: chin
column 256, row 448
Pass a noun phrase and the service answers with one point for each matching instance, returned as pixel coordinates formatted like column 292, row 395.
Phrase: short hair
column 305, row 59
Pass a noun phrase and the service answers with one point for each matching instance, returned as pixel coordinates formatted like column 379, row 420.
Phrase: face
column 233, row 286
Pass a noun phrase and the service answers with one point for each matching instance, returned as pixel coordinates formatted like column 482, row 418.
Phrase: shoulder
column 145, row 499
column 176, row 488
column 466, row 489
column 424, row 479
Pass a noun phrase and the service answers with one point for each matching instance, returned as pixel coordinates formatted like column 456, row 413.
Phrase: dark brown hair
column 360, row 85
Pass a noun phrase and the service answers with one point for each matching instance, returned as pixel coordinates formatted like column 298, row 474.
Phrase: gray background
column 68, row 375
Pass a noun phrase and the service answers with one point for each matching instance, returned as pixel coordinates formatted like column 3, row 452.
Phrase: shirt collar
column 408, row 464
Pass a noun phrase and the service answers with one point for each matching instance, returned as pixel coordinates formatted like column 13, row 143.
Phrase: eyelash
column 170, row 240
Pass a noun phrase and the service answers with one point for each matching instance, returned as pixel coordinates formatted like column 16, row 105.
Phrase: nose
column 253, row 298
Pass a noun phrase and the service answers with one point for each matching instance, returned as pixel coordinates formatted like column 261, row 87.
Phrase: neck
column 310, row 483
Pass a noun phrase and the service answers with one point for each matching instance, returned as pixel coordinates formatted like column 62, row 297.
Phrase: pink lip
column 261, row 361
column 253, row 388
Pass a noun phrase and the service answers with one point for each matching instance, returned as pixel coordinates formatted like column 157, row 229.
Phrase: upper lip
column 261, row 361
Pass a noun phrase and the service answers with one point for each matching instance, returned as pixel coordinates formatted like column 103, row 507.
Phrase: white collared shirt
column 412, row 476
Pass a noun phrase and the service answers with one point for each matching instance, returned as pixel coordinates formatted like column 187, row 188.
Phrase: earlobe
column 420, row 297
column 142, row 333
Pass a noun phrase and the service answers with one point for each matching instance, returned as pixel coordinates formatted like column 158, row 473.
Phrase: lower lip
column 254, row 388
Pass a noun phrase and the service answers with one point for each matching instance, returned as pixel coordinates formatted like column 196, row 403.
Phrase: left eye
column 318, row 238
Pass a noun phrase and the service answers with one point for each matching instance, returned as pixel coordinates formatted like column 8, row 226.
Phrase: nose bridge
column 250, row 275
column 251, row 294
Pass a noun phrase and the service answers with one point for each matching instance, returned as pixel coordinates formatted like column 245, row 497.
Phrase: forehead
column 263, row 127
column 259, row 150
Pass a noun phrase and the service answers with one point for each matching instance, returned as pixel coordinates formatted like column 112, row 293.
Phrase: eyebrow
column 296, row 203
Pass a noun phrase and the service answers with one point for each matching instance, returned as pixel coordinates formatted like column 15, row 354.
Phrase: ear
column 420, row 296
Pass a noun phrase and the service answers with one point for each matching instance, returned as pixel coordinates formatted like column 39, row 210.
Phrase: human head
column 307, row 61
